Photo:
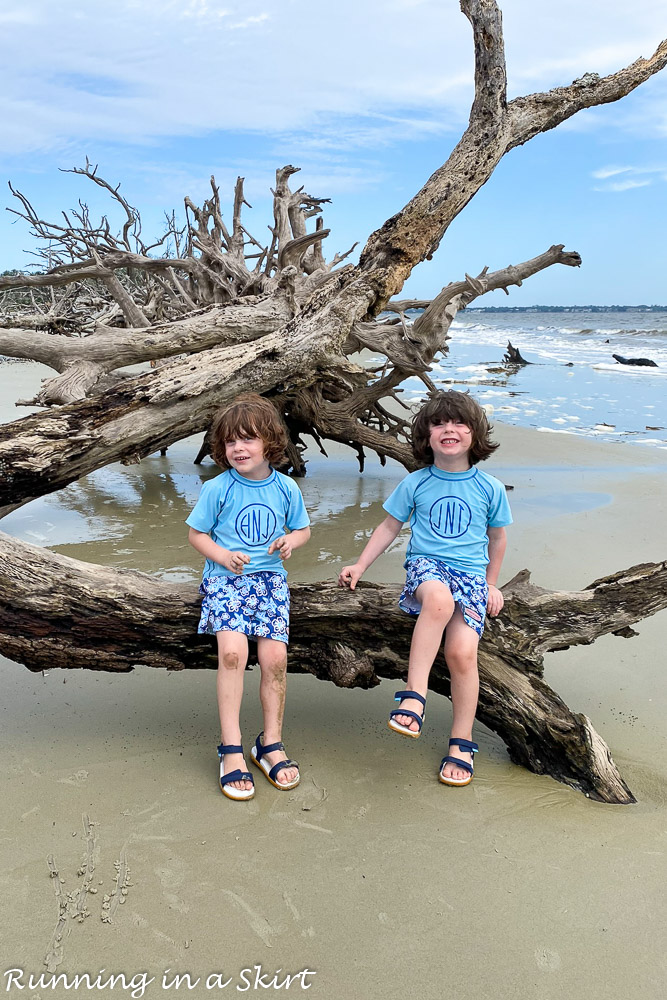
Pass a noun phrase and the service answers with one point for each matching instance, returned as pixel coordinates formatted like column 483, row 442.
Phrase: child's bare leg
column 461, row 644
column 232, row 659
column 272, row 656
column 437, row 609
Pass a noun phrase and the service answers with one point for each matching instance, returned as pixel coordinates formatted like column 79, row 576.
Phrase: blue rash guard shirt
column 449, row 513
column 246, row 515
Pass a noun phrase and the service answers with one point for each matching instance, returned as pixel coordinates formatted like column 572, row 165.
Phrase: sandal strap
column 466, row 745
column 400, row 695
column 413, row 715
column 459, row 763
column 279, row 767
column 229, row 748
column 267, row 748
column 237, row 775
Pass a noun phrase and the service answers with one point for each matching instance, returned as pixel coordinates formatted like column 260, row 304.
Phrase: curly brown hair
column 250, row 415
column 452, row 405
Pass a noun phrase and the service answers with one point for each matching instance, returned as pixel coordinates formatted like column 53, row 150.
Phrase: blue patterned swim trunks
column 469, row 590
column 256, row 604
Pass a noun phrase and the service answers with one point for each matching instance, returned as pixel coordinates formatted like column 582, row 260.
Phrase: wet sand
column 370, row 874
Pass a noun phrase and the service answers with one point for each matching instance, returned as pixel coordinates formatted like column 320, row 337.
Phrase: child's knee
column 229, row 659
column 276, row 666
column 462, row 660
column 438, row 602
column 272, row 656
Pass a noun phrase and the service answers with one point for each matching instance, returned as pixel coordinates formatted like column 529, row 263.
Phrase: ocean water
column 561, row 390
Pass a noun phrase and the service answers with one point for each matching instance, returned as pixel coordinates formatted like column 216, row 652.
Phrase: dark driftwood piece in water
column 512, row 356
column 58, row 612
column 640, row 362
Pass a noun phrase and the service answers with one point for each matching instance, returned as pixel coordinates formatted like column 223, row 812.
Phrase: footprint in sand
column 547, row 960
column 74, row 779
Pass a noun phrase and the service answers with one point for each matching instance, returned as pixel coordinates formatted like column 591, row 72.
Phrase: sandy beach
column 370, row 879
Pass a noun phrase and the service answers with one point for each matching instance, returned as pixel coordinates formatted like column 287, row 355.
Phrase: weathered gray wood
column 145, row 414
column 134, row 316
column 58, row 612
column 234, row 323
column 44, row 452
column 140, row 416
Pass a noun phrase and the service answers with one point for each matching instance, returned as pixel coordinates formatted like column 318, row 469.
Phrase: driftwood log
column 513, row 355
column 58, row 612
column 639, row 362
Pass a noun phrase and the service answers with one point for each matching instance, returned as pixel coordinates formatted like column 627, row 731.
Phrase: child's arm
column 497, row 545
column 204, row 544
column 381, row 539
column 286, row 544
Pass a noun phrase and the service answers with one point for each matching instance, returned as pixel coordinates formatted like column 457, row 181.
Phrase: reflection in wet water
column 134, row 517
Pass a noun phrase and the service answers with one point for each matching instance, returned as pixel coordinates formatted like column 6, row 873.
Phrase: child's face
column 245, row 455
column 451, row 441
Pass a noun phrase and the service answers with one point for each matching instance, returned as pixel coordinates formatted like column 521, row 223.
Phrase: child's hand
column 235, row 561
column 349, row 576
column 495, row 602
column 283, row 546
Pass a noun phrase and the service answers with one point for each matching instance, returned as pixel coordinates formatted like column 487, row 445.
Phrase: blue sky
column 368, row 98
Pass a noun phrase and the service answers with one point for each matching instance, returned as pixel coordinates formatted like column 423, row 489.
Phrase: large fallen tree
column 218, row 312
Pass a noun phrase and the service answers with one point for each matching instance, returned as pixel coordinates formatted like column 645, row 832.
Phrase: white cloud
column 641, row 176
column 202, row 9
column 140, row 70
column 249, row 21
column 623, row 186
column 605, row 172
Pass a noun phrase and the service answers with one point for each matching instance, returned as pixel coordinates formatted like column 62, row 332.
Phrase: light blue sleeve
column 297, row 515
column 205, row 512
column 401, row 502
column 500, row 514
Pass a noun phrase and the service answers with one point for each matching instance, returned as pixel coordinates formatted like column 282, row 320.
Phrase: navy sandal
column 419, row 719
column 466, row 746
column 238, row 794
column 271, row 773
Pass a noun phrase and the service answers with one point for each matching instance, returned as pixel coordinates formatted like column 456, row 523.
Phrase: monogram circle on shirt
column 450, row 517
column 255, row 524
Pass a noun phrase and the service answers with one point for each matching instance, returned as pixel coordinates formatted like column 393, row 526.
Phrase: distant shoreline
column 566, row 309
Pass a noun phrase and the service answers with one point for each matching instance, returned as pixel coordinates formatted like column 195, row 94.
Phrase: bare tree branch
column 537, row 113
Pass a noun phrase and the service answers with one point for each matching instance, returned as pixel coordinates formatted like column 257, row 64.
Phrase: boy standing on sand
column 239, row 525
column 457, row 517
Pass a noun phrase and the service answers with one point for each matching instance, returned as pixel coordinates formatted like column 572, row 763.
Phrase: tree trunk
column 58, row 612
